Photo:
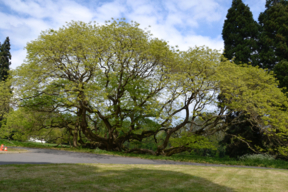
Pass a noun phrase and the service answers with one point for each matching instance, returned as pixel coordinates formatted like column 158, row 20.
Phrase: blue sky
column 186, row 23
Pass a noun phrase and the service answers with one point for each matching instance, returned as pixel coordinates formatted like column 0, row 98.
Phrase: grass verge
column 14, row 150
column 184, row 158
column 162, row 178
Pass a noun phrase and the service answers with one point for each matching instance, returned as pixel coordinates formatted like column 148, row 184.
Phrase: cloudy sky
column 185, row 23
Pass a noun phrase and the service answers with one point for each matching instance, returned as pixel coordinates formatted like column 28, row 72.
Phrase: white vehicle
column 37, row 140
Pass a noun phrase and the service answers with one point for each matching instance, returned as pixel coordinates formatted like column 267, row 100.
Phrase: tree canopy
column 107, row 85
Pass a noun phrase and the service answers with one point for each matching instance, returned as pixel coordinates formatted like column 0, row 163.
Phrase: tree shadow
column 109, row 177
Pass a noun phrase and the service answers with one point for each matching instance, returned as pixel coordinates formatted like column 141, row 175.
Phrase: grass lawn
column 100, row 177
column 185, row 158
column 14, row 150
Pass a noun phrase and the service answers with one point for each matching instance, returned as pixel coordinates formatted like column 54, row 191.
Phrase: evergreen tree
column 240, row 33
column 5, row 59
column 273, row 40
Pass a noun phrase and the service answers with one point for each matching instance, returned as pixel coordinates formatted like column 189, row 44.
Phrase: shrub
column 259, row 157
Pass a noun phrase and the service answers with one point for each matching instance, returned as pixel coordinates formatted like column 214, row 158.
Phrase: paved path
column 47, row 156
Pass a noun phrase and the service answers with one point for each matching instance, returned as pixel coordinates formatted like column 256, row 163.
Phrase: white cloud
column 29, row 18
column 17, row 58
column 109, row 10
column 176, row 21
column 202, row 41
column 180, row 14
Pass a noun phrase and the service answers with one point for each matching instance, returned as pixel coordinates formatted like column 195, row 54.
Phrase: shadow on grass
column 95, row 177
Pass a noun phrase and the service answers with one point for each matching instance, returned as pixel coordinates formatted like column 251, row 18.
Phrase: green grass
column 14, row 150
column 185, row 158
column 27, row 144
column 158, row 178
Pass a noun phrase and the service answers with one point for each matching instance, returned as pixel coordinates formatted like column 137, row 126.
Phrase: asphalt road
column 47, row 156
column 44, row 156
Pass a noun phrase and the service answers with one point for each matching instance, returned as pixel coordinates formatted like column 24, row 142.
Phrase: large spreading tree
column 114, row 84
column 240, row 34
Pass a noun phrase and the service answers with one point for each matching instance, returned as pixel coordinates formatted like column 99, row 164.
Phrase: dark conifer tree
column 240, row 34
column 273, row 42
column 274, row 33
column 5, row 59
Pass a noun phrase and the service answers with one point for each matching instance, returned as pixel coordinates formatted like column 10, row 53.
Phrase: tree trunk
column 75, row 138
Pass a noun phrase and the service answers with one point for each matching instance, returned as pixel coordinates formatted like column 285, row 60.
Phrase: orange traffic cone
column 5, row 149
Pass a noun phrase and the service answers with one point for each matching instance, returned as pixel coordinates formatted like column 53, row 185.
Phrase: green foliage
column 193, row 141
column 267, row 110
column 240, row 33
column 257, row 157
column 5, row 101
column 24, row 125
